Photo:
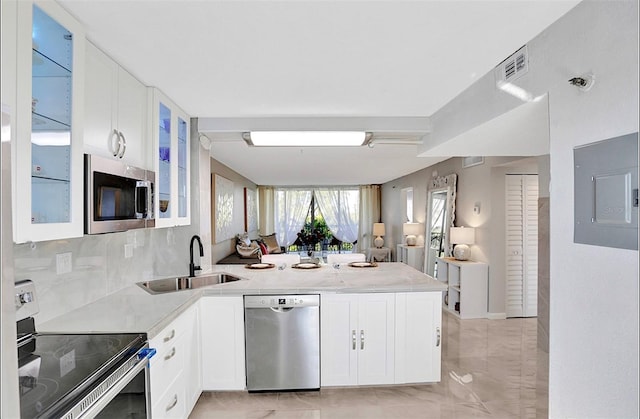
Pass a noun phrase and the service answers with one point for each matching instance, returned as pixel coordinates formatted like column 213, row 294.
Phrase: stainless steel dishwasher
column 282, row 339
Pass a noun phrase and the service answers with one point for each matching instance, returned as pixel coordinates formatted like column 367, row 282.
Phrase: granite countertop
column 134, row 310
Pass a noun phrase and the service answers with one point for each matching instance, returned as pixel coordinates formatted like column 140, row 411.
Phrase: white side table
column 411, row 255
column 379, row 254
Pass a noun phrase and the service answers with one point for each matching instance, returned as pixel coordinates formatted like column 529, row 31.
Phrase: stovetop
column 54, row 369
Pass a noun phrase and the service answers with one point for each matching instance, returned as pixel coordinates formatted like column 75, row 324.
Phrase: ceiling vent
column 513, row 67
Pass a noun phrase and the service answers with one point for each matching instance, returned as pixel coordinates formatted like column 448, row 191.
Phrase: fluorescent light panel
column 307, row 138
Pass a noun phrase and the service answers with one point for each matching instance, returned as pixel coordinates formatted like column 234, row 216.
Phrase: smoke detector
column 584, row 83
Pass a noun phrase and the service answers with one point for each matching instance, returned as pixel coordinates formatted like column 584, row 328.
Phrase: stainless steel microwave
column 117, row 197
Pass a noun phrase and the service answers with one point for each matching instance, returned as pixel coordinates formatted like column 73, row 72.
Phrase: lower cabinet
column 380, row 338
column 366, row 339
column 175, row 369
column 222, row 331
column 357, row 339
column 418, row 337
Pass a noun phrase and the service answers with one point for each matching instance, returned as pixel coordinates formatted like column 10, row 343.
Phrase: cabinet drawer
column 166, row 365
column 174, row 330
column 172, row 403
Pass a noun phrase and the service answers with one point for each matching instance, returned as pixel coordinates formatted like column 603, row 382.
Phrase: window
column 320, row 219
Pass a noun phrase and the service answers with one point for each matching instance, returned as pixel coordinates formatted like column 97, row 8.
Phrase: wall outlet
column 63, row 263
column 128, row 250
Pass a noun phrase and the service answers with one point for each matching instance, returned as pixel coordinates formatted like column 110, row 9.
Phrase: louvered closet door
column 522, row 245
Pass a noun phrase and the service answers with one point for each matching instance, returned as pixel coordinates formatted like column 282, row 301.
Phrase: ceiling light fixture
column 307, row 138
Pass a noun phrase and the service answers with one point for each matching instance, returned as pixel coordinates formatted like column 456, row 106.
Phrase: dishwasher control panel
column 282, row 301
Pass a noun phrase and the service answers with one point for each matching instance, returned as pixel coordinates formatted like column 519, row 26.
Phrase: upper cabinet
column 172, row 162
column 48, row 167
column 115, row 111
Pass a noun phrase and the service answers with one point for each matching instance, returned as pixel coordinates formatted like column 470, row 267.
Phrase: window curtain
column 369, row 214
column 266, row 211
column 340, row 208
column 290, row 211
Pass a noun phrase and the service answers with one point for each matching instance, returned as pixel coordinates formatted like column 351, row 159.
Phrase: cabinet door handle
column 173, row 403
column 437, row 337
column 361, row 340
column 171, row 355
column 123, row 144
column 353, row 340
column 114, row 146
column 170, row 335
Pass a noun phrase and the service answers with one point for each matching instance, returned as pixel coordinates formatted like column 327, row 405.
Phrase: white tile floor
column 499, row 355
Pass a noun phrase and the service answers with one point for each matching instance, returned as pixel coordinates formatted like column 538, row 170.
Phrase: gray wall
column 483, row 184
column 226, row 247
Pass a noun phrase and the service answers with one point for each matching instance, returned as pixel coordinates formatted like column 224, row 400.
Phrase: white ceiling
column 331, row 59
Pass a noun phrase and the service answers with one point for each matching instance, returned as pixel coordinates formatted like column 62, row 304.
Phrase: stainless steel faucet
column 192, row 267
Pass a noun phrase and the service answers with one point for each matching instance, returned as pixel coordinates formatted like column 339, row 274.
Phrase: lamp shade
column 412, row 229
column 378, row 229
column 462, row 235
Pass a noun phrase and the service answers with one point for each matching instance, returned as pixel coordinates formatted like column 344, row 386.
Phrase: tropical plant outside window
column 325, row 219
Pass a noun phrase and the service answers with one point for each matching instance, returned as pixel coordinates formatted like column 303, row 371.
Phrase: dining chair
column 345, row 258
column 288, row 258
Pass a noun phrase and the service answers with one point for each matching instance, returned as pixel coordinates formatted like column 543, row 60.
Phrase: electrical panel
column 606, row 193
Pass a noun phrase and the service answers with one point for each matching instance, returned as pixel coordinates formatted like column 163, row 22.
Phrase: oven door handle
column 103, row 401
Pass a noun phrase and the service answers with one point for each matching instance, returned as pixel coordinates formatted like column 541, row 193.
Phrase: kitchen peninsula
column 199, row 333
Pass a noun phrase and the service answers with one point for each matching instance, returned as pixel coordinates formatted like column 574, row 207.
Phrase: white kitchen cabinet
column 174, row 374
column 418, row 348
column 172, row 162
column 193, row 362
column 411, row 255
column 468, row 287
column 116, row 111
column 48, row 165
column 222, row 332
column 357, row 339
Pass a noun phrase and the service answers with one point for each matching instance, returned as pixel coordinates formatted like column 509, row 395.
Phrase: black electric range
column 69, row 375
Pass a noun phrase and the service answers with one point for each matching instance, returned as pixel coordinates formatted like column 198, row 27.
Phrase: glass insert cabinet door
column 173, row 162
column 49, row 168
column 164, row 161
column 52, row 67
column 183, row 158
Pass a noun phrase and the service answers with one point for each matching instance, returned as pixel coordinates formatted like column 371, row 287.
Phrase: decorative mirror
column 441, row 212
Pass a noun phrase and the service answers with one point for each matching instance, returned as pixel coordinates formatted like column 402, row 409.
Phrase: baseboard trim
column 496, row 316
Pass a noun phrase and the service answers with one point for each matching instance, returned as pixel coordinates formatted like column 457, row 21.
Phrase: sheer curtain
column 340, row 208
column 369, row 214
column 266, row 212
column 290, row 211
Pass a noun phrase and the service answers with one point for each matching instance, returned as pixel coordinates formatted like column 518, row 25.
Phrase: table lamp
column 412, row 230
column 462, row 237
column 378, row 231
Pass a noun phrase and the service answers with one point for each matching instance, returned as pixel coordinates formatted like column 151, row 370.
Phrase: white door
column 521, row 245
column 375, row 338
column 339, row 341
column 418, row 337
column 357, row 339
column 222, row 336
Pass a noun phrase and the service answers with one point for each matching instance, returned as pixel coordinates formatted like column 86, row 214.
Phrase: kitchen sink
column 161, row 286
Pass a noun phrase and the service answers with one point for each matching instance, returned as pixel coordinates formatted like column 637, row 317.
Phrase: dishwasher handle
column 281, row 309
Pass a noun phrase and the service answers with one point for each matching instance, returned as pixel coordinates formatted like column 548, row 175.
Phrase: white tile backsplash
column 99, row 266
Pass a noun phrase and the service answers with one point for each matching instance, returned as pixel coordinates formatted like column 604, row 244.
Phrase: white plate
column 260, row 265
column 306, row 265
column 362, row 264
